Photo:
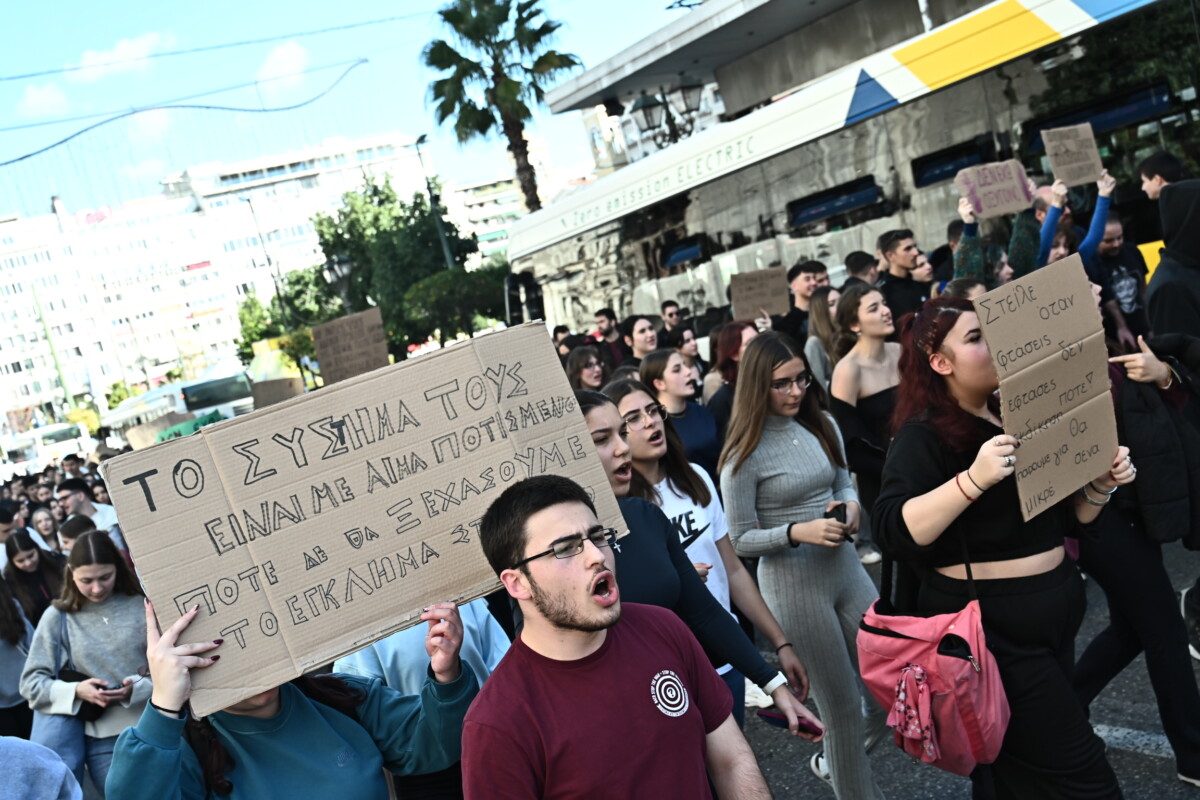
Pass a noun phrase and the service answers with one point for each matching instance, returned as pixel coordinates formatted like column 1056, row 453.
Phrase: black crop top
column 917, row 463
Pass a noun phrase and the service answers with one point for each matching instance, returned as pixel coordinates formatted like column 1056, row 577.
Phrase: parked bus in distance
column 33, row 450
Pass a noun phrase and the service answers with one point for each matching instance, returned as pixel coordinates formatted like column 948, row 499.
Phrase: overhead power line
column 211, row 47
column 182, row 107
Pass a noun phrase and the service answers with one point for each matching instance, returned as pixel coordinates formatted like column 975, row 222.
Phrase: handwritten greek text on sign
column 1074, row 158
column 1047, row 343
column 995, row 189
column 312, row 528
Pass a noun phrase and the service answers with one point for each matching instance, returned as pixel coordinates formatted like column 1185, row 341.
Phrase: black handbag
column 88, row 712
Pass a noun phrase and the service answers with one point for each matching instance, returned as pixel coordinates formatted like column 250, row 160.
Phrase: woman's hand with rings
column 995, row 461
column 171, row 663
column 1122, row 472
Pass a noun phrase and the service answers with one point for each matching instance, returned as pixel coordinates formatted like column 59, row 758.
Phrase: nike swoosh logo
column 691, row 536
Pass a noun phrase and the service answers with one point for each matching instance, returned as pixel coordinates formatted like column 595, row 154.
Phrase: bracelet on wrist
column 972, row 480
column 785, row 644
column 961, row 489
column 168, row 711
column 1101, row 491
column 1083, row 490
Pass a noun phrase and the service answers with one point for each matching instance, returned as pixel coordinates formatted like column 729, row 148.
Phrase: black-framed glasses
column 784, row 385
column 572, row 545
column 636, row 420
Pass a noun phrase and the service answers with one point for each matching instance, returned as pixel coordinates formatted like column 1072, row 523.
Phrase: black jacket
column 1173, row 296
column 1166, row 495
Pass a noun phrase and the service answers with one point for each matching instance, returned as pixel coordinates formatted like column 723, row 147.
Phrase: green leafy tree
column 305, row 299
column 448, row 303
column 390, row 245
column 256, row 323
column 495, row 73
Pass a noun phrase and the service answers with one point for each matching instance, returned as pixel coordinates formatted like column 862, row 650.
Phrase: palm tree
column 498, row 71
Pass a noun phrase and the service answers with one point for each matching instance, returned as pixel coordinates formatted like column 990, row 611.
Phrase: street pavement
column 1125, row 715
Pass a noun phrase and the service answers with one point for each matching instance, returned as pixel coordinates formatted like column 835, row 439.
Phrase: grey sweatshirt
column 12, row 664
column 788, row 478
column 107, row 641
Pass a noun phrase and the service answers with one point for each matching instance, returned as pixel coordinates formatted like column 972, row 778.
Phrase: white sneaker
column 1192, row 625
column 821, row 769
column 868, row 555
column 1186, row 779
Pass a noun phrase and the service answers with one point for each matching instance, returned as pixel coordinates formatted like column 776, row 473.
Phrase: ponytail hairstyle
column 821, row 324
column 638, row 485
column 764, row 355
column 215, row 761
column 847, row 315
column 922, row 392
column 95, row 547
column 675, row 464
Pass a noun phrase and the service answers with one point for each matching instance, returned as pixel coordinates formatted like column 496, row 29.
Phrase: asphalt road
column 1126, row 716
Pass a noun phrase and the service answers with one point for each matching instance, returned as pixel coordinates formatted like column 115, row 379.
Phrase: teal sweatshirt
column 307, row 750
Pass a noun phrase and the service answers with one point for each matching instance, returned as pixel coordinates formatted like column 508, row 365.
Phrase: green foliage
column 306, row 299
column 390, row 246
column 447, row 303
column 496, row 74
column 121, row 391
column 174, row 374
column 88, row 416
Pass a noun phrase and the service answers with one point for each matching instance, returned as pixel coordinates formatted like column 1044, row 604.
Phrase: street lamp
column 434, row 208
column 669, row 117
column 277, row 278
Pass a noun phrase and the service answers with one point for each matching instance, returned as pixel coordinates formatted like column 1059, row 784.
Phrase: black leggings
column 1143, row 615
column 1050, row 749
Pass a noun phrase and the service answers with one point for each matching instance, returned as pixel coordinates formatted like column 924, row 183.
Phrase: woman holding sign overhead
column 948, row 492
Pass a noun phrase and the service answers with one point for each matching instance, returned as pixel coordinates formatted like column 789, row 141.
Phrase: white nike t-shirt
column 699, row 529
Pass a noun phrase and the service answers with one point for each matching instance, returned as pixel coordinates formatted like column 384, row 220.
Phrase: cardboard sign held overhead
column 351, row 345
column 1074, row 158
column 995, row 189
column 758, row 291
column 1047, row 342
column 310, row 529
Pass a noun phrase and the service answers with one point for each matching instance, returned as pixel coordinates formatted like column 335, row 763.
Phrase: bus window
column 216, row 392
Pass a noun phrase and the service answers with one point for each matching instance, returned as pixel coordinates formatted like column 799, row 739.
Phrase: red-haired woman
column 730, row 346
column 948, row 489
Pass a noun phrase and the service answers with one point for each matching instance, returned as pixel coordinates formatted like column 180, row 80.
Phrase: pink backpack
column 938, row 680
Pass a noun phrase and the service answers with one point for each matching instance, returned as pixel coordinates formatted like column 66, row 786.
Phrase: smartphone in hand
column 777, row 718
column 838, row 513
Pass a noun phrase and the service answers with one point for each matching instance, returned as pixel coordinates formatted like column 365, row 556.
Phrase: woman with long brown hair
column 820, row 350
column 585, row 369
column 948, row 495
column 785, row 484
column 97, row 626
column 34, row 574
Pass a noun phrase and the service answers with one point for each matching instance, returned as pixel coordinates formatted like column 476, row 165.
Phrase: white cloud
column 43, row 101
column 286, row 59
column 150, row 168
column 132, row 52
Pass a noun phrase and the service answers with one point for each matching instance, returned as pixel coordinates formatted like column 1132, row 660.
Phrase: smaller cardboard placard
column 351, row 345
column 1074, row 157
column 1047, row 342
column 146, row 434
column 995, row 189
column 760, row 290
column 268, row 393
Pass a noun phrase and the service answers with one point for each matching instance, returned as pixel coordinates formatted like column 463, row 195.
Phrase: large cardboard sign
column 758, row 291
column 1047, row 342
column 995, row 189
column 351, row 345
column 1074, row 158
column 310, row 529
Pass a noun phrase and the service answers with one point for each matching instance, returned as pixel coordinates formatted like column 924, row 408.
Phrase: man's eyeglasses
column 573, row 545
column 636, row 420
column 784, row 385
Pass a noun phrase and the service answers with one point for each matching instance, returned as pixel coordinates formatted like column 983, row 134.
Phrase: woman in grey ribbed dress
column 782, row 469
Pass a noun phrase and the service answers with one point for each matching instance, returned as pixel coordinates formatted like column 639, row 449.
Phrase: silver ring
column 1008, row 461
column 996, row 441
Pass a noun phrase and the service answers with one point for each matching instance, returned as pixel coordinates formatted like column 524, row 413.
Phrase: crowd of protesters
column 757, row 477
